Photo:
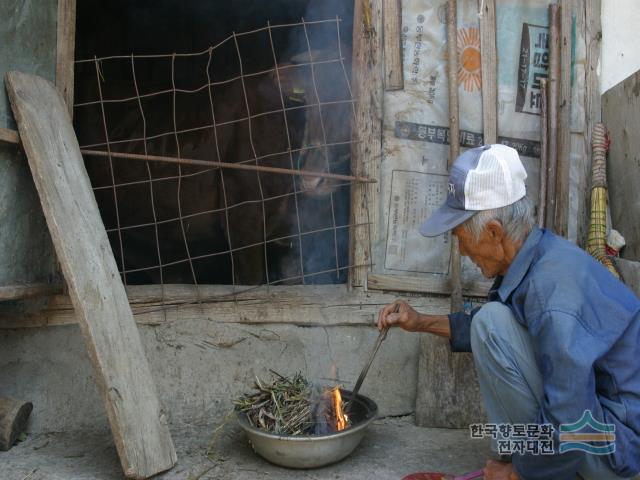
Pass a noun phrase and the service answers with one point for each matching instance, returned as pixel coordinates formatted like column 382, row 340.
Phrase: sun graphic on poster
column 469, row 75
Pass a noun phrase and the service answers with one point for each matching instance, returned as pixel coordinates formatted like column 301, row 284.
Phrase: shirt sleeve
column 460, row 328
column 565, row 354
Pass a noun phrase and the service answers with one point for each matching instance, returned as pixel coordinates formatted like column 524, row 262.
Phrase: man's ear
column 494, row 230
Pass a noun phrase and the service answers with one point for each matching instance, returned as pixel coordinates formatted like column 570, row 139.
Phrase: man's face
column 488, row 252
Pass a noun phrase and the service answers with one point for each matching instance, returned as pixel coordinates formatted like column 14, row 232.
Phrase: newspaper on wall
column 416, row 126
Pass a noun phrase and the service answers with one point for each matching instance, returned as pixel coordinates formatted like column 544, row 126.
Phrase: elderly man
column 560, row 336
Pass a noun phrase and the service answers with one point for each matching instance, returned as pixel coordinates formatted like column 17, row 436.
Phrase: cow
column 237, row 227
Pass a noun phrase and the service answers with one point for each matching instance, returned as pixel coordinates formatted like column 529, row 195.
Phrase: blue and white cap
column 480, row 179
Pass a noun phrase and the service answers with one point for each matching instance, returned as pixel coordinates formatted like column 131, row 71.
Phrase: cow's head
column 321, row 134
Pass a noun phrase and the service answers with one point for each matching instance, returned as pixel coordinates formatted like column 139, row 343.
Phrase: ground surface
column 391, row 449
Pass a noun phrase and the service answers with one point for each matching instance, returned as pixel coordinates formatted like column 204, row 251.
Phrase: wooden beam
column 393, row 71
column 552, row 112
column 564, row 119
column 300, row 305
column 398, row 283
column 454, row 140
column 139, row 427
column 65, row 56
column 593, row 37
column 19, row 292
column 544, row 151
column 366, row 152
column 489, row 63
column 9, row 136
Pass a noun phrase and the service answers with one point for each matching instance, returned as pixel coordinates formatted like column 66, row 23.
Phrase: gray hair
column 517, row 220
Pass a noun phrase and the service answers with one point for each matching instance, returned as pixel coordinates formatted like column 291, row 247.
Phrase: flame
column 341, row 418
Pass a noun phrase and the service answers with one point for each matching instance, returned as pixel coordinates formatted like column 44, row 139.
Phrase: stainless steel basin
column 312, row 451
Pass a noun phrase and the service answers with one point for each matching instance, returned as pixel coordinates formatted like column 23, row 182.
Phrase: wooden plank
column 454, row 144
column 393, row 72
column 398, row 283
column 564, row 119
column 19, row 292
column 65, row 50
column 552, row 112
column 10, row 136
column 139, row 427
column 366, row 153
column 544, row 151
column 293, row 305
column 448, row 393
column 621, row 115
column 489, row 63
column 593, row 37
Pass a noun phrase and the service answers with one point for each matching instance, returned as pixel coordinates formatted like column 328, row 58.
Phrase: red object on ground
column 427, row 476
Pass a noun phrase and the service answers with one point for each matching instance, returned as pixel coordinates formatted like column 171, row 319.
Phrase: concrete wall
column 202, row 359
column 620, row 52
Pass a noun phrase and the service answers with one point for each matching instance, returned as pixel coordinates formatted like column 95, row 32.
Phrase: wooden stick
column 454, row 141
column 9, row 136
column 489, row 63
column 236, row 166
column 544, row 125
column 392, row 18
column 552, row 113
column 564, row 119
column 66, row 39
column 18, row 292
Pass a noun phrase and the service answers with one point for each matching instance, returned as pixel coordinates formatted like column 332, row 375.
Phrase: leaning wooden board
column 138, row 424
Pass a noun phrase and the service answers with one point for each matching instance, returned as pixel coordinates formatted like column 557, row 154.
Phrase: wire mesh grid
column 246, row 175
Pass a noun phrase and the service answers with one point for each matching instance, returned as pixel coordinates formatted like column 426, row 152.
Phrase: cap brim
column 444, row 219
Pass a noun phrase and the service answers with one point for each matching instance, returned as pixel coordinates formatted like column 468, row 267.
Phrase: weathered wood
column 17, row 292
column 454, row 144
column 9, row 136
column 564, row 120
column 66, row 37
column 489, row 64
column 552, row 112
column 393, row 72
column 593, row 37
column 544, row 152
column 13, row 420
column 294, row 305
column 448, row 393
column 621, row 115
column 139, row 427
column 366, row 152
column 398, row 283
column 233, row 166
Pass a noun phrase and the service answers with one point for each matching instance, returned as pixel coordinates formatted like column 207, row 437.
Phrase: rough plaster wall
column 199, row 366
column 26, row 252
column 620, row 52
column 27, row 43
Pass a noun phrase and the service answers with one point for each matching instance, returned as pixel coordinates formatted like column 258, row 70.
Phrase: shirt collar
column 520, row 264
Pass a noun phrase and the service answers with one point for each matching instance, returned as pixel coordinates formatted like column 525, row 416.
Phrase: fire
column 341, row 418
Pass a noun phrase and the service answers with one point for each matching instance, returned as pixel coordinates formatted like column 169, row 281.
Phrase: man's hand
column 406, row 317
column 495, row 470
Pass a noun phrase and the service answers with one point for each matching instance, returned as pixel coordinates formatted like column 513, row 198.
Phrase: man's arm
column 412, row 321
column 456, row 327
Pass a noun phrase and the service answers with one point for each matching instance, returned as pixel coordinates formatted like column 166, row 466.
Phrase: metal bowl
column 312, row 451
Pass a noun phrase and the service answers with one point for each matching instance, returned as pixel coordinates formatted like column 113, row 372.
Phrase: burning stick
column 291, row 406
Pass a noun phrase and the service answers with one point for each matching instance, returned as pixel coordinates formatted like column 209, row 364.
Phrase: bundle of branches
column 288, row 406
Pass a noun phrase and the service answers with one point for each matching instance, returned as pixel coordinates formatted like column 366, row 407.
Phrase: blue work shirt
column 585, row 326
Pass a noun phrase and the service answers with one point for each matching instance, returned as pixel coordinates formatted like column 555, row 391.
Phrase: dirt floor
column 393, row 448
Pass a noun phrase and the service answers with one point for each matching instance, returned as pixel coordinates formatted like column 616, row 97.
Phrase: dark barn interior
column 196, row 80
